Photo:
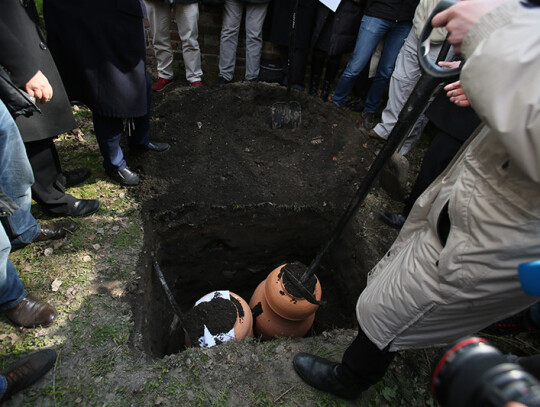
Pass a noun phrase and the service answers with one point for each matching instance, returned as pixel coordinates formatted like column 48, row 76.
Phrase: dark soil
column 218, row 315
column 296, row 269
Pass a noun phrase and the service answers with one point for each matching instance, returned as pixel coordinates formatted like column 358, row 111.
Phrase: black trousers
column 48, row 189
column 439, row 154
column 364, row 363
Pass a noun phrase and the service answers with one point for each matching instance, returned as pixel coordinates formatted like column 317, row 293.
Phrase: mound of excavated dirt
column 225, row 152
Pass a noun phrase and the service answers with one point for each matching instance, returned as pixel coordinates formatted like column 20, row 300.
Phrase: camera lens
column 474, row 373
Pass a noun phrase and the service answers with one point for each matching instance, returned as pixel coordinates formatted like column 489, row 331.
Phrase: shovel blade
column 286, row 115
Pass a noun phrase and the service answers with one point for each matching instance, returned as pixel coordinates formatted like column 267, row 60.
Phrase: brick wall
column 209, row 32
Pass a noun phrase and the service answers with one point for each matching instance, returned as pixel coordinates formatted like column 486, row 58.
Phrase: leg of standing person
column 15, row 181
column 255, row 15
column 363, row 364
column 232, row 17
column 332, row 67
column 372, row 30
column 109, row 131
column 318, row 58
column 405, row 76
column 139, row 129
column 392, row 44
column 187, row 20
column 48, row 189
column 159, row 17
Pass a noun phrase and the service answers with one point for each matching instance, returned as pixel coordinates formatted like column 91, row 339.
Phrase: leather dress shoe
column 325, row 375
column 84, row 207
column 125, row 177
column 396, row 220
column 75, row 177
column 31, row 312
column 27, row 371
column 55, row 231
column 156, row 146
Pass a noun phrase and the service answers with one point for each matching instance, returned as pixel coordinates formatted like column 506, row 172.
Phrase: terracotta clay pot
column 243, row 327
column 268, row 324
column 285, row 304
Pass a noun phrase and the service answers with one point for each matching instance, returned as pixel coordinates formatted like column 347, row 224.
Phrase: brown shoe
column 32, row 312
column 370, row 133
column 27, row 371
column 55, row 231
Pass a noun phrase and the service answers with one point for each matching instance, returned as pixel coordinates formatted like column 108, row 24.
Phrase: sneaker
column 368, row 120
column 160, row 84
column 220, row 81
column 196, row 84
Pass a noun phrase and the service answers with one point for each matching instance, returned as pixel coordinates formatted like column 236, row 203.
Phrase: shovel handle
column 429, row 67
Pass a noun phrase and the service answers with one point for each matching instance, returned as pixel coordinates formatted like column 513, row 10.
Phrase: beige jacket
column 421, row 14
column 423, row 294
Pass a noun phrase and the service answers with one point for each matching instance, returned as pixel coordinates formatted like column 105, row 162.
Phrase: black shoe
column 324, row 375
column 75, row 177
column 124, row 177
column 84, row 207
column 220, row 81
column 27, row 371
column 396, row 220
column 55, row 231
column 156, row 146
column 356, row 105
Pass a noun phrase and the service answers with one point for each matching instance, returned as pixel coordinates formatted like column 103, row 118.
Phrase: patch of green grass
column 117, row 333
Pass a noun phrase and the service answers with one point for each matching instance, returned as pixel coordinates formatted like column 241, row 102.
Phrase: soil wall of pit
column 234, row 198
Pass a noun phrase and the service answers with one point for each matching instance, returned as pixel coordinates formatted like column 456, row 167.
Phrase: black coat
column 174, row 1
column 336, row 32
column 99, row 48
column 457, row 122
column 281, row 23
column 395, row 10
column 23, row 58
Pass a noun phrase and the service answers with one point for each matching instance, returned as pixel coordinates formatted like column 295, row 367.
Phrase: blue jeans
column 372, row 30
column 109, row 131
column 15, row 180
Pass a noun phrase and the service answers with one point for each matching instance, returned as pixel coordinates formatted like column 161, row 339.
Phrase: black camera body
column 472, row 373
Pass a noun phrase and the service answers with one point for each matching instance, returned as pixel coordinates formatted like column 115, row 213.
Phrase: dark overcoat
column 21, row 19
column 99, row 48
column 336, row 32
column 281, row 23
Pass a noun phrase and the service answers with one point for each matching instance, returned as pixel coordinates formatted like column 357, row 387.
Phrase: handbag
column 17, row 101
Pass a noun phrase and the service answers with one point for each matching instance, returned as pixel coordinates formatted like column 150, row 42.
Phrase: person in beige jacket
column 453, row 268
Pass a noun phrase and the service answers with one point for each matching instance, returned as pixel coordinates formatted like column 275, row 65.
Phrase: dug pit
column 233, row 199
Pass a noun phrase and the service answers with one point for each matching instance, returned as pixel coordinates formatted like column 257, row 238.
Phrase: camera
column 472, row 373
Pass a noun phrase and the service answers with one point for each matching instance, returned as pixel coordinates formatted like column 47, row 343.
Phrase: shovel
column 288, row 114
column 431, row 77
column 178, row 316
